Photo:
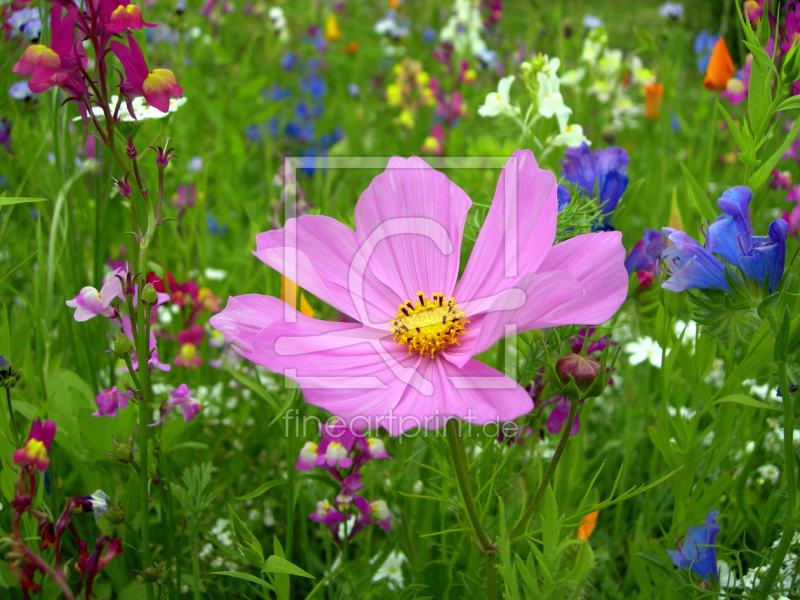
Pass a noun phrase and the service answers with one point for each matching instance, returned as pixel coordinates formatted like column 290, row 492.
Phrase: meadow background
column 231, row 468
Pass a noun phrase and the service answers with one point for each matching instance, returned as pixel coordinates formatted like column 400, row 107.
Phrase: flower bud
column 130, row 149
column 790, row 70
column 583, row 369
column 123, row 187
column 149, row 294
column 122, row 345
column 123, row 451
column 115, row 514
column 579, row 377
column 9, row 376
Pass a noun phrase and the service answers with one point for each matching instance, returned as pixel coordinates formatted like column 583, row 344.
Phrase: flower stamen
column 428, row 326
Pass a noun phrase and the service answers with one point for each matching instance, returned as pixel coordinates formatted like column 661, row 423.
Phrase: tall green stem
column 290, row 496
column 461, row 467
column 143, row 353
column 790, row 522
column 548, row 475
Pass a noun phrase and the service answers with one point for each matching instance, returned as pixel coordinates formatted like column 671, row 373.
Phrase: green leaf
column 9, row 201
column 259, row 389
column 789, row 103
column 245, row 576
column 734, row 128
column 760, row 177
column 742, row 399
column 245, row 540
column 782, row 339
column 697, row 194
column 278, row 564
column 264, row 487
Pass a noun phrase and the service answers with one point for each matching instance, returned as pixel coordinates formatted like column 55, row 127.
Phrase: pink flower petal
column 476, row 393
column 518, row 231
column 543, row 293
column 244, row 317
column 597, row 261
column 326, row 260
column 410, row 220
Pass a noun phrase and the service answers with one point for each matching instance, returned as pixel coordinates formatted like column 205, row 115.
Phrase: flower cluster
column 410, row 91
column 342, row 452
column 747, row 257
column 645, row 256
column 24, row 562
column 601, row 174
column 65, row 62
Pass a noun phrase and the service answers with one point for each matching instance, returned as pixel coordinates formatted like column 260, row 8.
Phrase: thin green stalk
column 461, row 467
column 290, row 497
column 551, row 468
column 195, row 565
column 143, row 353
column 790, row 522
column 166, row 501
column 11, row 416
column 710, row 154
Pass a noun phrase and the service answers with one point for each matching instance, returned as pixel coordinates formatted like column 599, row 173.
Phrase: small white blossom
column 645, row 349
column 499, row 102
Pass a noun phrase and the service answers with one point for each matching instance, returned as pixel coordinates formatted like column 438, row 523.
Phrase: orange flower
column 720, row 67
column 652, row 104
column 587, row 525
column 352, row 47
column 394, row 4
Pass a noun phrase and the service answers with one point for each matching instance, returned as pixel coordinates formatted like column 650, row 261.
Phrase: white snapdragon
column 499, row 102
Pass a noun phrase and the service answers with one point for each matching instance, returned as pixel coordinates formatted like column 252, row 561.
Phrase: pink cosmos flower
column 412, row 366
column 90, row 303
column 110, row 401
column 156, row 86
column 35, row 450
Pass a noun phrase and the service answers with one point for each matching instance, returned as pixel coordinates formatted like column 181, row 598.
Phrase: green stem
column 461, row 468
column 710, row 155
column 11, row 416
column 167, row 504
column 290, row 458
column 195, row 566
column 143, row 354
column 548, row 475
column 790, row 524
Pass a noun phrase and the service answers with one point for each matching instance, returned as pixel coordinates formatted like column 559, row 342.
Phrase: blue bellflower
column 646, row 252
column 288, row 61
column 604, row 168
column 701, row 560
column 760, row 258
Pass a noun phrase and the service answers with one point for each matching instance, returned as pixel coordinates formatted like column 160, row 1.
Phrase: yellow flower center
column 36, row 451
column 428, row 325
column 188, row 352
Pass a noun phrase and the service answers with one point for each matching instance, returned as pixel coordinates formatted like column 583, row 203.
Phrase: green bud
column 9, row 376
column 579, row 377
column 115, row 514
column 790, row 70
column 246, row 541
column 762, row 32
column 149, row 294
column 122, row 345
column 123, row 451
